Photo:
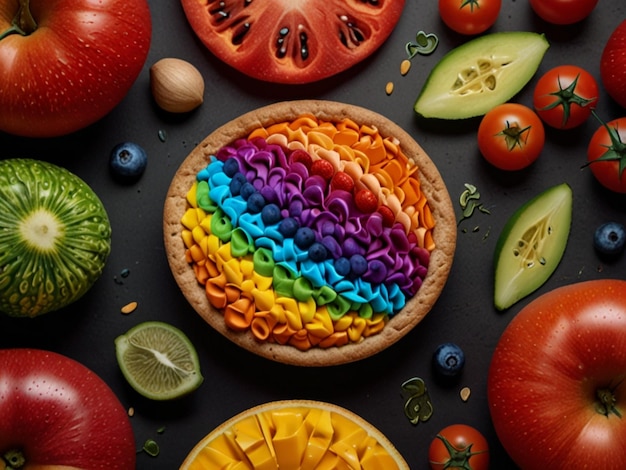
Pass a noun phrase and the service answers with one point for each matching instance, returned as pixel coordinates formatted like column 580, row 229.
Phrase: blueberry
column 318, row 252
column 231, row 167
column 609, row 238
column 358, row 265
column 128, row 161
column 448, row 360
column 304, row 238
column 256, row 202
column 236, row 183
column 247, row 190
column 342, row 266
column 288, row 227
column 270, row 214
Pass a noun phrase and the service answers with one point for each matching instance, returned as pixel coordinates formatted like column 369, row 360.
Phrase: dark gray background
column 235, row 379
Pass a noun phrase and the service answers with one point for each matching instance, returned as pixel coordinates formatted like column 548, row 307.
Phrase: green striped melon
column 55, row 237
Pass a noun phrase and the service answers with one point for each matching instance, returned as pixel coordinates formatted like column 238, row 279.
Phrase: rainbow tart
column 295, row 434
column 310, row 232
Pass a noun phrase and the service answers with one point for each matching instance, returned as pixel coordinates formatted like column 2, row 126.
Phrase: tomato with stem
column 459, row 446
column 565, row 96
column 555, row 387
column 469, row 16
column 606, row 154
column 511, row 136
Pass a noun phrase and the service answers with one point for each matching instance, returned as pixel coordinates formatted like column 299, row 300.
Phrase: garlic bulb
column 177, row 86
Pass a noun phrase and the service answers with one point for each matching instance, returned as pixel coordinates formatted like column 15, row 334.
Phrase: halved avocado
column 531, row 245
column 475, row 77
column 55, row 237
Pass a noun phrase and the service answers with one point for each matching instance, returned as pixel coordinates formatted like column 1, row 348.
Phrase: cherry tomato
column 565, row 96
column 469, row 16
column 606, row 155
column 563, row 11
column 459, row 446
column 511, row 136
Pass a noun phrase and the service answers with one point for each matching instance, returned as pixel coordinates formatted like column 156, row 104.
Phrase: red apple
column 57, row 414
column 556, row 387
column 65, row 64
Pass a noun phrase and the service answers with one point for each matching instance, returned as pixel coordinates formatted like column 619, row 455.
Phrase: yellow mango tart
column 310, row 232
column 295, row 435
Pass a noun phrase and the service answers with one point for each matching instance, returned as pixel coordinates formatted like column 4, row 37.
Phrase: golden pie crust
column 399, row 324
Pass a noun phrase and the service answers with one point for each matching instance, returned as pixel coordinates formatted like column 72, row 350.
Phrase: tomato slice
column 292, row 42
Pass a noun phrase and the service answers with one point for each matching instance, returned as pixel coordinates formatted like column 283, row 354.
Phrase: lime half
column 158, row 361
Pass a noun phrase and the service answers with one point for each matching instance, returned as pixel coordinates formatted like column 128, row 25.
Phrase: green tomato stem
column 23, row 22
column 566, row 97
column 615, row 152
column 459, row 458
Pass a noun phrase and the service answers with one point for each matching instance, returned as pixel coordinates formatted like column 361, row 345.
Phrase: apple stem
column 606, row 403
column 13, row 459
column 23, row 22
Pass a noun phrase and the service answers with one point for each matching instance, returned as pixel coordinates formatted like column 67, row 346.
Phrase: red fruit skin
column 303, row 157
column 342, row 181
column 613, row 65
column 366, row 201
column 60, row 414
column 72, row 70
column 322, row 168
column 388, row 216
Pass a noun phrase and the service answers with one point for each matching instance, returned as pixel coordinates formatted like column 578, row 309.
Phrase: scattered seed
column 161, row 430
column 405, row 65
column 131, row 411
column 162, row 135
column 129, row 308
column 389, row 88
column 465, row 393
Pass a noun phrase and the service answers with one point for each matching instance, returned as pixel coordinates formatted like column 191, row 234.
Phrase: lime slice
column 158, row 361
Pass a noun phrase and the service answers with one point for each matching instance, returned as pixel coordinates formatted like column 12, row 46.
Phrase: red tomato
column 613, row 65
column 606, row 155
column 459, row 446
column 56, row 413
column 72, row 65
column 563, row 11
column 292, row 41
column 565, row 96
column 511, row 136
column 556, row 387
column 469, row 16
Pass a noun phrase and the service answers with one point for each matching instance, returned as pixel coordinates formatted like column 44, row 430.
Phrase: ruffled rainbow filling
column 304, row 253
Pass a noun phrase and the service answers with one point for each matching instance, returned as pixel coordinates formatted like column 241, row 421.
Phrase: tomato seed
column 405, row 65
column 129, row 308
column 465, row 393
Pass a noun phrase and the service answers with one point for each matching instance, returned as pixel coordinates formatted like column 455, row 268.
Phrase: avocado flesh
column 531, row 245
column 481, row 74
